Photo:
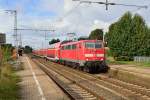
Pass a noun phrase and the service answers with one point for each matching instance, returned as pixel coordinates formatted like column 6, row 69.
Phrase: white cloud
column 68, row 5
column 6, row 20
column 100, row 25
column 68, row 16
column 82, row 17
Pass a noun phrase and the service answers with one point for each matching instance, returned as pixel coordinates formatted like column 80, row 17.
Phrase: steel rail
column 134, row 89
column 85, row 93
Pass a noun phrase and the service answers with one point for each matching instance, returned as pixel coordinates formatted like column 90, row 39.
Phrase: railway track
column 137, row 78
column 74, row 90
column 98, row 87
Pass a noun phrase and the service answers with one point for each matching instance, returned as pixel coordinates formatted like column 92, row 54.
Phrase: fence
column 141, row 59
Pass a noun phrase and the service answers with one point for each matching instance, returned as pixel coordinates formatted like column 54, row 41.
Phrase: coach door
column 56, row 54
column 79, row 49
column 73, row 53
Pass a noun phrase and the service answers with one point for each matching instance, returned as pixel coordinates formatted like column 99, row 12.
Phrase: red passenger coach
column 53, row 52
column 87, row 55
column 40, row 52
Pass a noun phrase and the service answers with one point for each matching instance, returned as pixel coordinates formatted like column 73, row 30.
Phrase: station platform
column 36, row 85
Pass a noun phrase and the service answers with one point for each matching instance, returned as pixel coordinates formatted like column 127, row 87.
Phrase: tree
column 54, row 41
column 5, row 53
column 28, row 49
column 96, row 34
column 128, row 37
column 83, row 38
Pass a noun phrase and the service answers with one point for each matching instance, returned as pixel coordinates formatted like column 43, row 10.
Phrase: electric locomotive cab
column 94, row 54
column 94, row 51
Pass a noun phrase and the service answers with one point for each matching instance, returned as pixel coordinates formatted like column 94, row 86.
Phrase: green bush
column 8, row 84
column 123, row 58
column 109, row 53
column 8, row 80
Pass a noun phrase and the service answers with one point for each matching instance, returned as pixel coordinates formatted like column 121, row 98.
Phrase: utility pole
column 42, row 30
column 20, row 40
column 14, row 12
column 15, row 27
column 108, row 3
column 31, row 29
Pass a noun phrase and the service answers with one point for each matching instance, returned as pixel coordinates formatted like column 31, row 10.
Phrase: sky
column 63, row 16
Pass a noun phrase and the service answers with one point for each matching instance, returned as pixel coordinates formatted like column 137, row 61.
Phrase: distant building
column 2, row 38
column 2, row 41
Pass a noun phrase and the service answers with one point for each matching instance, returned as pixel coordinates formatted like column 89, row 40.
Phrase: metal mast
column 15, row 31
column 42, row 30
column 14, row 12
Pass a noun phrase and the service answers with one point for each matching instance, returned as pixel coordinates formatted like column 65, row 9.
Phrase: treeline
column 129, row 37
column 27, row 49
column 54, row 41
column 126, row 38
column 95, row 34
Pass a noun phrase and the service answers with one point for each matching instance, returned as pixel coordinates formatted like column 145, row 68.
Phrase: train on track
column 86, row 55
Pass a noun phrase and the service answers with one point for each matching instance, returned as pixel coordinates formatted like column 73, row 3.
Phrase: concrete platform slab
column 36, row 85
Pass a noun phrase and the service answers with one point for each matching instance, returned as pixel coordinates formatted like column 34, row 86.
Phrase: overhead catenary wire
column 108, row 3
column 41, row 30
column 31, row 29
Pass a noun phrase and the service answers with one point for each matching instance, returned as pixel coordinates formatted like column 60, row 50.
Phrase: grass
column 9, row 90
column 111, row 61
column 143, row 64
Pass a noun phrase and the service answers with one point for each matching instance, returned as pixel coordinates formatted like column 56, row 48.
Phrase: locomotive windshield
column 93, row 45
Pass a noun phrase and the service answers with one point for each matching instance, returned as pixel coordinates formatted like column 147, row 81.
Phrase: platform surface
column 36, row 85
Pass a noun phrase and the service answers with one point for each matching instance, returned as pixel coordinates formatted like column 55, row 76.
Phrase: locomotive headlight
column 89, row 55
column 102, row 59
column 100, row 55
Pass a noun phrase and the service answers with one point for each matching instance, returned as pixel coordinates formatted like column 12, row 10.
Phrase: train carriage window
column 69, row 47
column 89, row 45
column 98, row 45
column 65, row 47
column 74, row 46
column 93, row 45
column 62, row 48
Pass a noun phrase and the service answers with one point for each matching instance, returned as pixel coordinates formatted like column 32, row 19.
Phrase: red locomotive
column 87, row 55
